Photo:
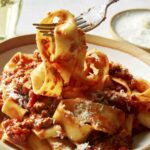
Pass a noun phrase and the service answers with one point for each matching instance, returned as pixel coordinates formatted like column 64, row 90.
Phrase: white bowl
column 132, row 26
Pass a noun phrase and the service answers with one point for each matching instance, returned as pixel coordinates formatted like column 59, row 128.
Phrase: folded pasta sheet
column 79, row 117
column 52, row 132
column 13, row 110
column 62, row 54
column 96, row 69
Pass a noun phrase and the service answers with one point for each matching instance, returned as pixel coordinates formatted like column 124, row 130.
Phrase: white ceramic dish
column 132, row 26
column 114, row 51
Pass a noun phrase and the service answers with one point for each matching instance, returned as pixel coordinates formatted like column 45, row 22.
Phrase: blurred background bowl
column 132, row 26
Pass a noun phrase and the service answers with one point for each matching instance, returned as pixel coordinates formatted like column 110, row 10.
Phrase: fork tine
column 82, row 26
column 45, row 25
column 45, row 28
column 43, row 31
column 81, row 22
column 86, row 29
column 79, row 18
column 47, row 34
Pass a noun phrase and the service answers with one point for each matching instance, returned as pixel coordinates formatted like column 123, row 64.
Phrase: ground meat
column 103, row 141
column 117, row 87
column 19, row 80
column 32, row 99
column 19, row 96
column 42, row 123
column 44, row 113
column 52, row 105
column 39, row 106
column 27, row 123
column 114, row 98
column 17, row 133
column 118, row 99
column 23, row 96
column 121, row 100
column 45, row 106
column 116, row 70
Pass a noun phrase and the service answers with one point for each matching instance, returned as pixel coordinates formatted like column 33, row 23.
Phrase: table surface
column 34, row 10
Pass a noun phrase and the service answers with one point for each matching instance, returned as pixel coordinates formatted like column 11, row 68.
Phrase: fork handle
column 103, row 9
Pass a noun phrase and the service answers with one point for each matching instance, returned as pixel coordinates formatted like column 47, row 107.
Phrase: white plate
column 135, row 66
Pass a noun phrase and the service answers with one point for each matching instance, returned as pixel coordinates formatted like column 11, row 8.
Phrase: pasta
column 62, row 95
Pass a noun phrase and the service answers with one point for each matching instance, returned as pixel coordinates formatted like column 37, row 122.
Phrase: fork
column 86, row 21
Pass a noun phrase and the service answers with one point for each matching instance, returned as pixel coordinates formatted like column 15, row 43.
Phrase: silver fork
column 94, row 16
column 87, row 21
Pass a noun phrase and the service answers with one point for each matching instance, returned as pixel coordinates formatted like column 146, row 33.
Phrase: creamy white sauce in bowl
column 133, row 26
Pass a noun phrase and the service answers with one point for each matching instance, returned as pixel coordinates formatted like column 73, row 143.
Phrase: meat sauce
column 41, row 109
column 20, row 81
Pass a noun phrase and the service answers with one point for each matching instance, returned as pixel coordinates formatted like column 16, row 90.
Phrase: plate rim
column 125, row 47
column 114, row 33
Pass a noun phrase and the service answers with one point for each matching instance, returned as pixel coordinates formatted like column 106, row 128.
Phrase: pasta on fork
column 63, row 94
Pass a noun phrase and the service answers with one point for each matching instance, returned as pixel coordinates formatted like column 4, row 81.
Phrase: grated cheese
column 82, row 146
column 82, row 112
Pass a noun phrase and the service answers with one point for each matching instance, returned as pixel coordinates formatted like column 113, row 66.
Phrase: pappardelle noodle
column 63, row 97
